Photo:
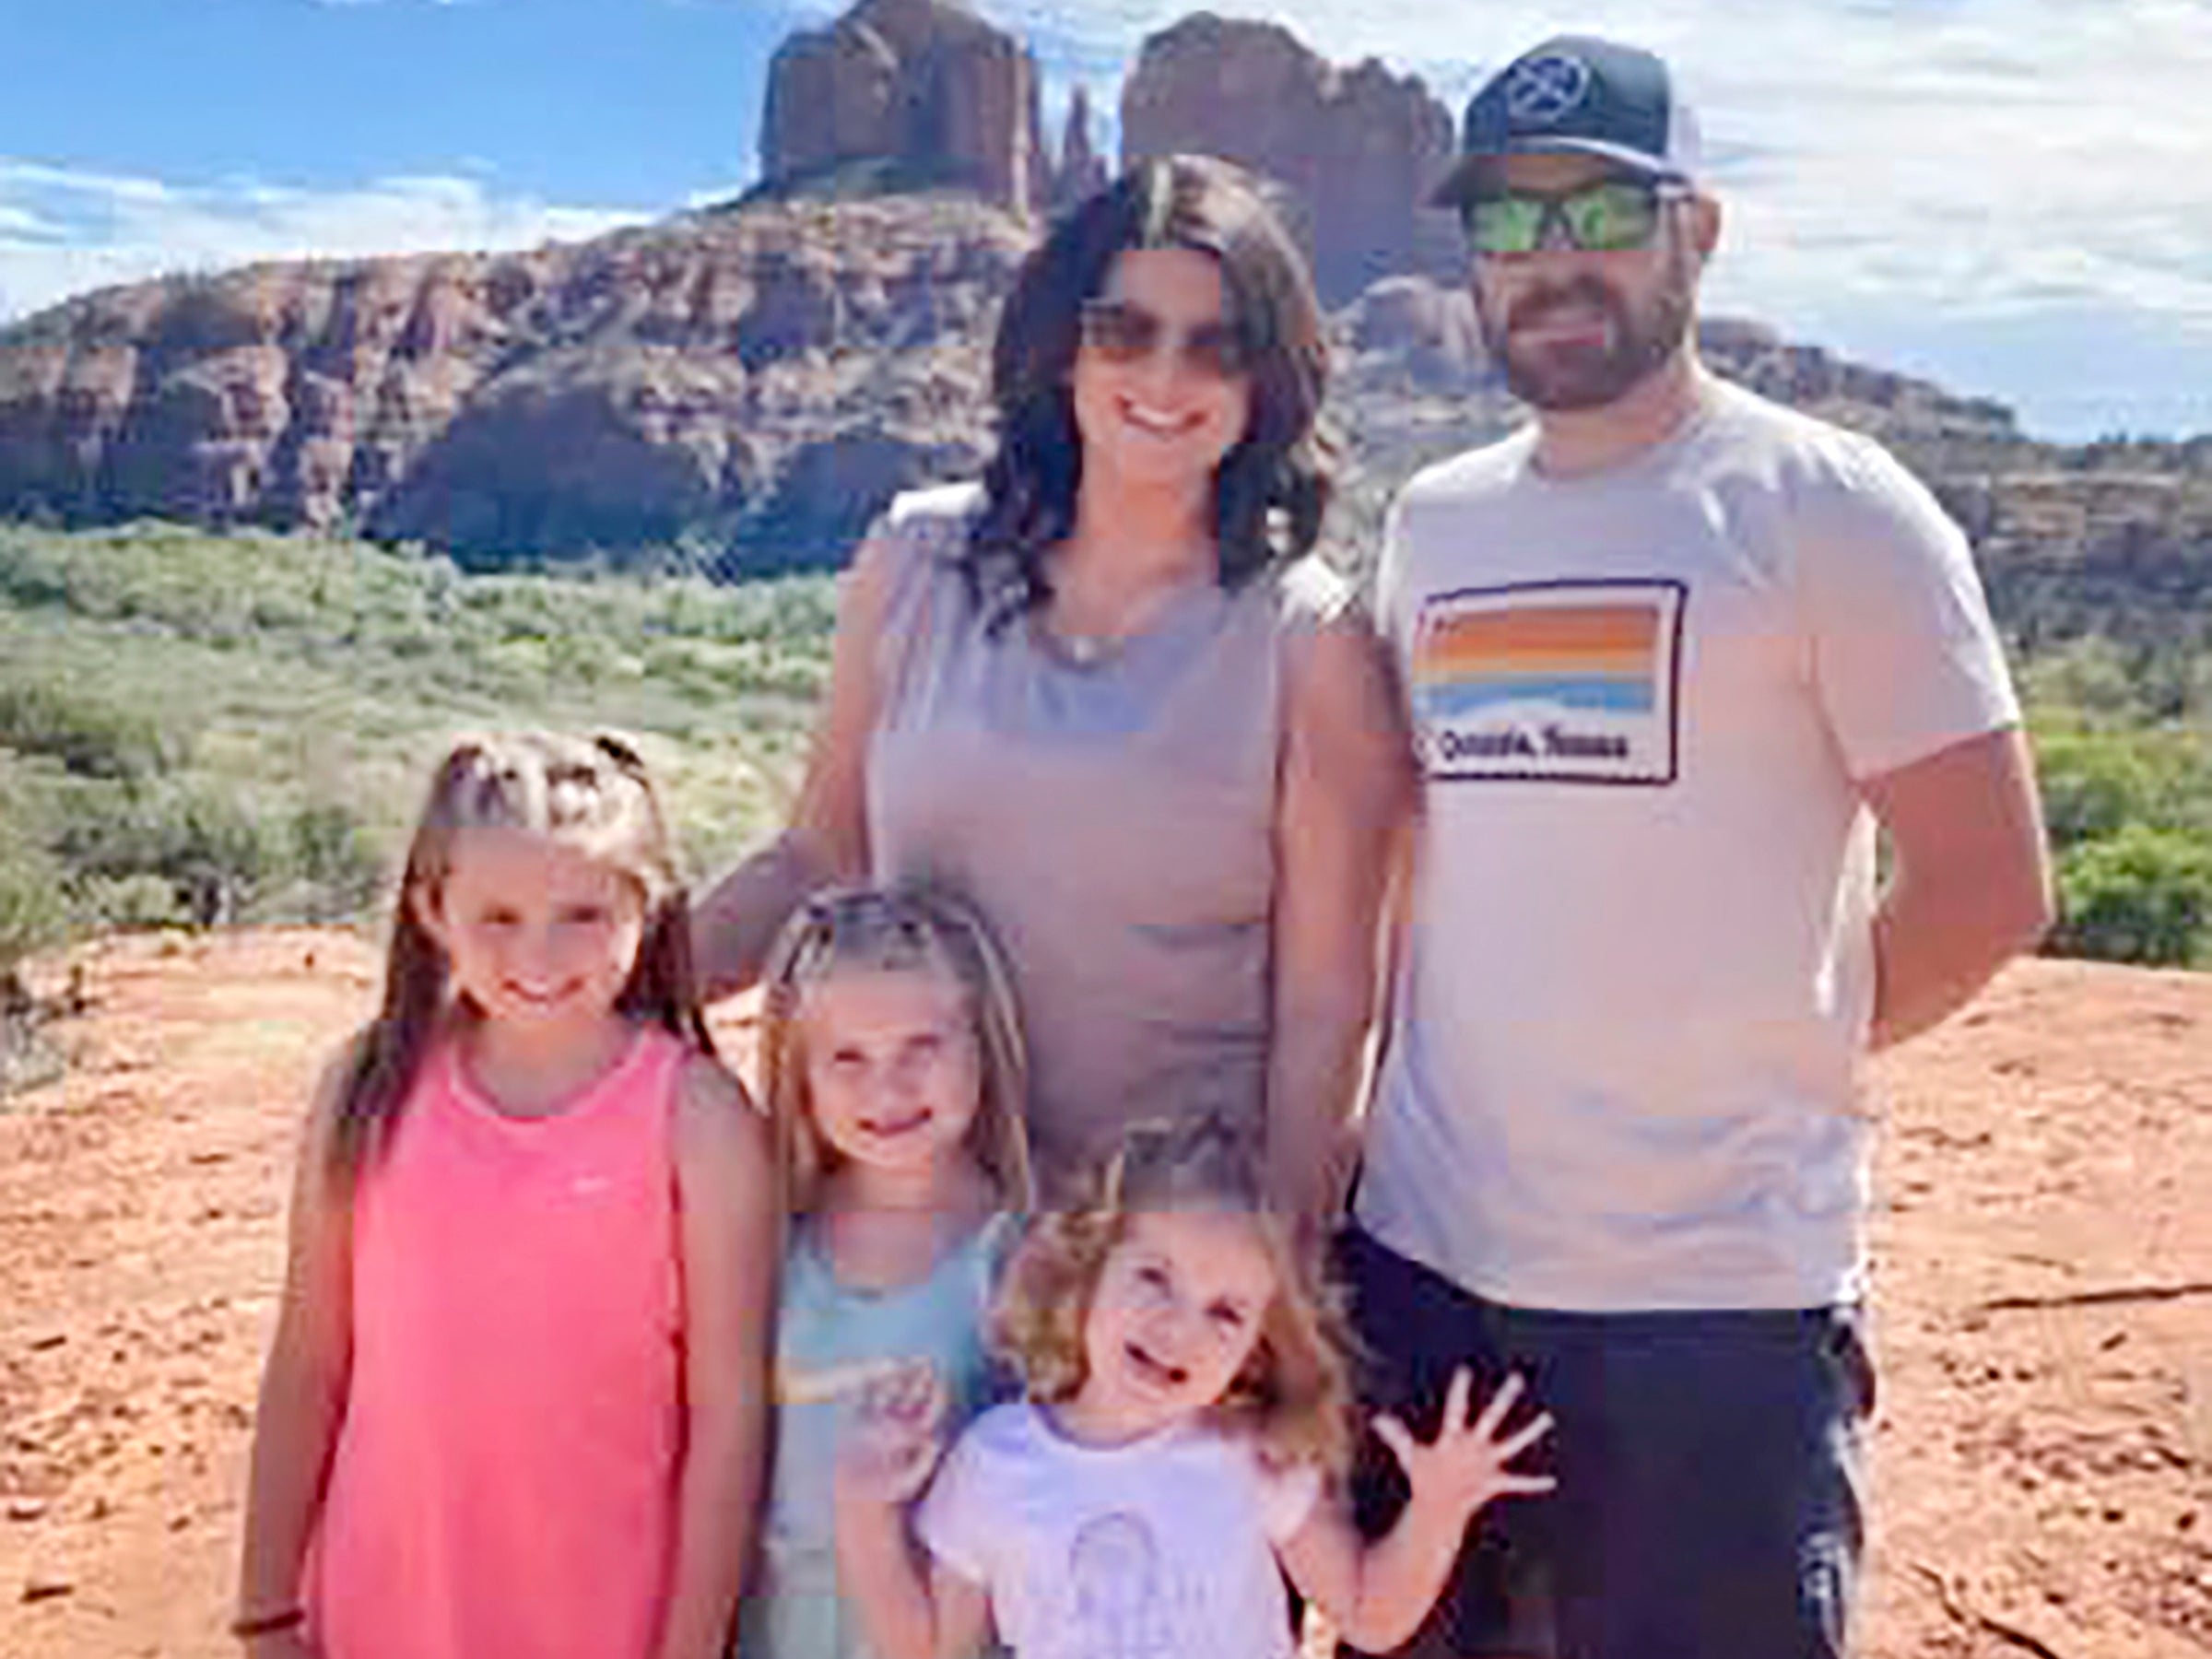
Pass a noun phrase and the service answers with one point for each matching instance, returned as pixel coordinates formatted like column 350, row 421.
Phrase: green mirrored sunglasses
column 1604, row 218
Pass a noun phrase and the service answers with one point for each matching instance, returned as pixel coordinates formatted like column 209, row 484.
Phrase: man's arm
column 1970, row 884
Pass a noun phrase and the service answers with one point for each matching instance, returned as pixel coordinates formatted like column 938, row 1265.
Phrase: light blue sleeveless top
column 831, row 1339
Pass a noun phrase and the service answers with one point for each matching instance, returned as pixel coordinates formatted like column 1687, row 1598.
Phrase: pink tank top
column 505, row 1480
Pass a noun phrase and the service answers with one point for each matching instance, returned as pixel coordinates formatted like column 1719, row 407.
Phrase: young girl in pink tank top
column 514, row 1402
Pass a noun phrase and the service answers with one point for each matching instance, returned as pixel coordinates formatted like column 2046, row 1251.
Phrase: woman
column 1108, row 695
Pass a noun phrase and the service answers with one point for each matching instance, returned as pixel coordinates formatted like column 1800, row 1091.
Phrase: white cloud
column 63, row 230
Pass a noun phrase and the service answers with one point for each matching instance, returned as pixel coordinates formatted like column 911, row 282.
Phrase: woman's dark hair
column 1270, row 490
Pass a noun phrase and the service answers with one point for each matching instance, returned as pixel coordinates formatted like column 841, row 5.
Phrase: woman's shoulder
column 934, row 514
column 912, row 551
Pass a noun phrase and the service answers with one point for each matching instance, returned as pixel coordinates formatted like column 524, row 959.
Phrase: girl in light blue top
column 893, row 1067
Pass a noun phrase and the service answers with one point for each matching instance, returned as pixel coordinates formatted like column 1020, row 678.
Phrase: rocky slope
column 740, row 389
column 743, row 389
column 755, row 379
column 1356, row 150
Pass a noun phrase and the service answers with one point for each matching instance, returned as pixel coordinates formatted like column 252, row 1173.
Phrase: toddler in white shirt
column 1186, row 1420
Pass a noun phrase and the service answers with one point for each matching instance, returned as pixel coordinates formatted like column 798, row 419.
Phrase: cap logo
column 1541, row 91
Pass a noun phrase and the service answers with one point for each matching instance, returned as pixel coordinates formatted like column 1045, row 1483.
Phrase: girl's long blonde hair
column 1293, row 1395
column 907, row 927
column 591, row 794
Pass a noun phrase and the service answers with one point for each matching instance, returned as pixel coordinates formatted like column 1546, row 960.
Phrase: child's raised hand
column 889, row 1444
column 1467, row 1463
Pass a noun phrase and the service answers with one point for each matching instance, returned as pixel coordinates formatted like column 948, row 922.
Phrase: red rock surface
column 606, row 394
column 924, row 83
column 1357, row 149
column 2044, row 1309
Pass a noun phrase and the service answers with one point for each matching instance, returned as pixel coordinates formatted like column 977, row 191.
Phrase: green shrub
column 2139, row 895
column 87, row 733
column 2092, row 678
column 32, row 912
column 130, row 904
column 312, row 674
column 215, row 850
column 2096, row 782
column 334, row 858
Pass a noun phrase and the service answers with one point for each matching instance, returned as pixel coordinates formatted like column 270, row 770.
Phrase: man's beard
column 1569, row 378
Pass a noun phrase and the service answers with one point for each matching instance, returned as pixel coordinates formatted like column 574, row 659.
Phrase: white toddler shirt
column 1162, row 1548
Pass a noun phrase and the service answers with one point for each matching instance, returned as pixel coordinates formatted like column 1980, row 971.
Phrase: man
column 1671, row 653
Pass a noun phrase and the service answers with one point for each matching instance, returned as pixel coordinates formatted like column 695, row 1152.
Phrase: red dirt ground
column 2044, row 1307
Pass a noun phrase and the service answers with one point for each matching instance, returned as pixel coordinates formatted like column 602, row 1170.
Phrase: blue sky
column 2010, row 195
column 584, row 102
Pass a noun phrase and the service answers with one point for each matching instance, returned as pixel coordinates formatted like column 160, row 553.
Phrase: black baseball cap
column 1583, row 95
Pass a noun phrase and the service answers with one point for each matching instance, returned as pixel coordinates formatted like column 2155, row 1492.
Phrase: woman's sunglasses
column 1608, row 216
column 1122, row 333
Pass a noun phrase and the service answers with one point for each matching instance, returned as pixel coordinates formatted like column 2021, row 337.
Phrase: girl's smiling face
column 1179, row 1307
column 535, row 932
column 893, row 1075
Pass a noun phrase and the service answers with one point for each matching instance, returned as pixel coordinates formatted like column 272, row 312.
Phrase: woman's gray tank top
column 1112, row 819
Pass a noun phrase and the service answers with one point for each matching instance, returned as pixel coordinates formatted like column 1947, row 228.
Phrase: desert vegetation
column 199, row 729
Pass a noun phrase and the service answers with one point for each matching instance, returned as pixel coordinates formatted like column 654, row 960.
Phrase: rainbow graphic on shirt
column 1559, row 681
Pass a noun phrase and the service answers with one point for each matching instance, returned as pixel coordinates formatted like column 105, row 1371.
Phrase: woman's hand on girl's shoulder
column 734, row 924
column 712, row 1100
column 1469, row 1462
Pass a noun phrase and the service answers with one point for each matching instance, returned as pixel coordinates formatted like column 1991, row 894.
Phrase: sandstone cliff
column 912, row 93
column 748, row 387
column 1357, row 148
column 758, row 380
column 1077, row 169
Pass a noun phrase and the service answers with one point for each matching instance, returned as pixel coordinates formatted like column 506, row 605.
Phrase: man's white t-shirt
column 1163, row 1548
column 1623, row 1072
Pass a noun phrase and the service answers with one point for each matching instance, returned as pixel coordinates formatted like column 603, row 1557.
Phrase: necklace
column 1090, row 649
column 1082, row 650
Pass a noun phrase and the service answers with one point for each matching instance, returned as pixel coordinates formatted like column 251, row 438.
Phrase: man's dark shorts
column 1708, row 1504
